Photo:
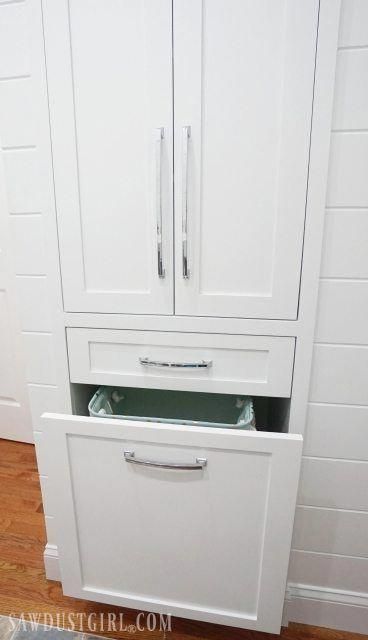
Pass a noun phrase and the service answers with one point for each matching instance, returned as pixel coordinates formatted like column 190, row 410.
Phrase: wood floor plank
column 25, row 591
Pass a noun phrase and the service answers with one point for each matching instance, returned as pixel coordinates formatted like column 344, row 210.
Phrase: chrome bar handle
column 184, row 229
column 158, row 201
column 198, row 465
column 202, row 364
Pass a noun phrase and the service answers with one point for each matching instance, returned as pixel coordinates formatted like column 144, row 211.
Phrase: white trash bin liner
column 174, row 407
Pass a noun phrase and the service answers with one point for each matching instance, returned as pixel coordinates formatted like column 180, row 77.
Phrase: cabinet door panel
column 210, row 544
column 110, row 80
column 244, row 85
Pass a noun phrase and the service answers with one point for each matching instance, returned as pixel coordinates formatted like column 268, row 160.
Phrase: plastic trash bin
column 175, row 407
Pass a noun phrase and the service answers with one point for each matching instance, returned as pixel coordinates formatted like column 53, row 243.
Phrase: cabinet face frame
column 143, row 145
column 280, row 453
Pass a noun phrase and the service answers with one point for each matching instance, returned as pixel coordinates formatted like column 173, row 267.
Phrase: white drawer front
column 208, row 543
column 257, row 365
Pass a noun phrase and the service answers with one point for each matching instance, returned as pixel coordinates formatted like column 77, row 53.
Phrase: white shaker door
column 209, row 541
column 244, row 87
column 110, row 85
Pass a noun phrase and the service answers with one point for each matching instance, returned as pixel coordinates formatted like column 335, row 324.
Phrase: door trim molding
column 51, row 560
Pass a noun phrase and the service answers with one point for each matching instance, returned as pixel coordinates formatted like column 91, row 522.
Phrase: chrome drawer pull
column 159, row 139
column 202, row 364
column 199, row 464
column 184, row 202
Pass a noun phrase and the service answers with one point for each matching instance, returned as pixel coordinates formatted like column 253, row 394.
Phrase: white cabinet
column 183, row 141
column 236, row 79
column 110, row 79
column 207, row 543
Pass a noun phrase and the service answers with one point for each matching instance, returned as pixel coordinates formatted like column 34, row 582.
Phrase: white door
column 109, row 66
column 15, row 418
column 243, row 86
column 209, row 542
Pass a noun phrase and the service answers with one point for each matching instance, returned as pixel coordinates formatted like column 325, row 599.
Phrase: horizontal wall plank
column 353, row 23
column 40, row 358
column 17, row 113
column 344, row 253
column 342, row 312
column 46, row 494
column 347, row 181
column 351, row 90
column 339, row 374
column 51, row 529
column 29, row 244
column 324, row 613
column 335, row 484
column 14, row 40
column 335, row 431
column 43, row 459
column 24, row 181
column 331, row 531
column 34, row 303
column 335, row 572
column 43, row 398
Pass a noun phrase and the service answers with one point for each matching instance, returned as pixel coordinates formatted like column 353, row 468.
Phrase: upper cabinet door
column 243, row 102
column 109, row 65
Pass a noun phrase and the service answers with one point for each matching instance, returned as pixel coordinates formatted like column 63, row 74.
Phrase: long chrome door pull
column 199, row 464
column 186, row 136
column 158, row 201
column 202, row 364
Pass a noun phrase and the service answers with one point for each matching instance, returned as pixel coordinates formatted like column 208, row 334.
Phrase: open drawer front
column 162, row 536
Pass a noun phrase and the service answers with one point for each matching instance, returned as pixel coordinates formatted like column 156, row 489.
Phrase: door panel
column 15, row 417
column 210, row 544
column 110, row 79
column 244, row 85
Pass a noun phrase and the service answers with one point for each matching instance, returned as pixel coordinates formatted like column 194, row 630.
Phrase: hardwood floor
column 25, row 590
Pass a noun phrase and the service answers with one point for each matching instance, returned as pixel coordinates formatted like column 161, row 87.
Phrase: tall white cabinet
column 189, row 145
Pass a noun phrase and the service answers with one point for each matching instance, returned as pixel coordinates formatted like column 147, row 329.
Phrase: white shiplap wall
column 26, row 156
column 329, row 563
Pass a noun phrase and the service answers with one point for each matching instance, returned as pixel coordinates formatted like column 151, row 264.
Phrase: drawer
column 254, row 365
column 201, row 530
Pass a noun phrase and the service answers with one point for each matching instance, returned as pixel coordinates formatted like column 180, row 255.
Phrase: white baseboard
column 322, row 607
column 338, row 596
column 51, row 560
column 307, row 604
